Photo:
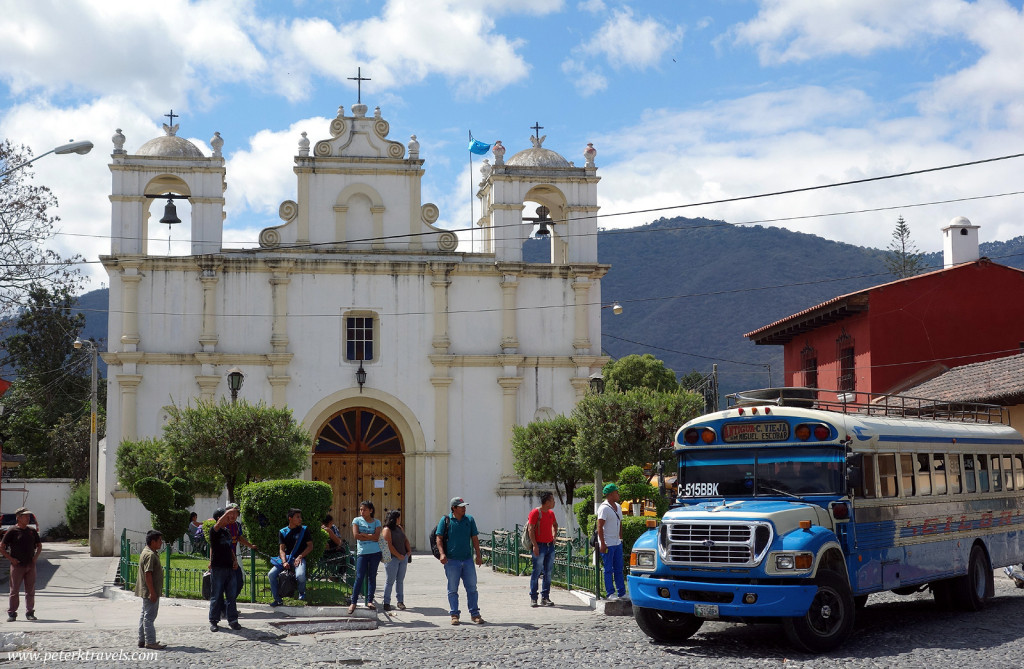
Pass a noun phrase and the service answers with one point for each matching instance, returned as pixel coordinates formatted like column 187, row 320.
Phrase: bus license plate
column 705, row 610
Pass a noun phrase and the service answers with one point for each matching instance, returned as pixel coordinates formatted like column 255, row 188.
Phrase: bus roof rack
column 871, row 404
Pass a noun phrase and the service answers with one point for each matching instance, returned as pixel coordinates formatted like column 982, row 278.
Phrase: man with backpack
column 542, row 528
column 609, row 538
column 456, row 541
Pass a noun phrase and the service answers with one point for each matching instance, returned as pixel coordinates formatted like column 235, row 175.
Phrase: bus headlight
column 642, row 560
column 793, row 561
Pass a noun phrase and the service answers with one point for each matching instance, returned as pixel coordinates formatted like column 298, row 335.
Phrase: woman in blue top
column 366, row 531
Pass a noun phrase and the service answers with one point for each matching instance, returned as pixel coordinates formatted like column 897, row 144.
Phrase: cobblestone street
column 892, row 631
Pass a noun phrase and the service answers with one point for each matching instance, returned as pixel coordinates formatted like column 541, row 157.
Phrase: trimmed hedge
column 168, row 504
column 265, row 506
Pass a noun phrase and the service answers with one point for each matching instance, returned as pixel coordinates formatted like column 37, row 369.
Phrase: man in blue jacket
column 457, row 558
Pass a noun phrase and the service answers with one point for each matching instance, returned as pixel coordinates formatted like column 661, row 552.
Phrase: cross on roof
column 172, row 116
column 359, row 79
column 537, row 127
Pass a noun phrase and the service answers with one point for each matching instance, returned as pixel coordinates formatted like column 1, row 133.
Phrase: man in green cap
column 609, row 539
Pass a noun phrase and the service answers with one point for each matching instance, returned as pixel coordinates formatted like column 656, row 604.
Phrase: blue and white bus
column 795, row 509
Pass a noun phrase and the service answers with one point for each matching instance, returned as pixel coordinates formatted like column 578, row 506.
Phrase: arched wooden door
column 359, row 453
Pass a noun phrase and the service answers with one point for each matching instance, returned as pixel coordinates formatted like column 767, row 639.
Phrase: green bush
column 265, row 506
column 59, row 532
column 76, row 510
column 168, row 505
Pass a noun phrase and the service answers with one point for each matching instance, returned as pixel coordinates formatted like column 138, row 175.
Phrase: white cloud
column 587, row 81
column 592, row 6
column 626, row 42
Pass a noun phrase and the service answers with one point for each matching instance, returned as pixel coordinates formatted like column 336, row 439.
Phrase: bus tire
column 829, row 620
column 667, row 626
column 859, row 602
column 969, row 591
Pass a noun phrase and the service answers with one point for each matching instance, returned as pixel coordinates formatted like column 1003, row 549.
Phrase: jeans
column 395, row 571
column 465, row 570
column 223, row 586
column 147, row 630
column 300, row 580
column 613, row 569
column 366, row 568
column 544, row 562
column 23, row 573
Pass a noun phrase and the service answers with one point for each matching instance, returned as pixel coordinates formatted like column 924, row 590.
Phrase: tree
column 544, row 452
column 150, row 458
column 903, row 259
column 25, row 227
column 621, row 429
column 53, row 385
column 639, row 371
column 236, row 443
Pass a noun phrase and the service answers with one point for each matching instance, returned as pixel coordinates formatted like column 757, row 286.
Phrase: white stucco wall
column 46, row 498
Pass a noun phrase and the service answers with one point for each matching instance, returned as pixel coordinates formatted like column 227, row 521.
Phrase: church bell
column 170, row 213
column 542, row 221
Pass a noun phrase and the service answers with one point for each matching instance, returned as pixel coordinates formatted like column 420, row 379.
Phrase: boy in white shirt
column 609, row 538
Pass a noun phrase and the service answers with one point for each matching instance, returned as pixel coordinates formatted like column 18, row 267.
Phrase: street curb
column 114, row 592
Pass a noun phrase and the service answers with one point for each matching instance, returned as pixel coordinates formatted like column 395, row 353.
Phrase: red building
column 890, row 337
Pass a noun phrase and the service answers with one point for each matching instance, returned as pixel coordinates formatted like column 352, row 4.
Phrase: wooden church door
column 359, row 453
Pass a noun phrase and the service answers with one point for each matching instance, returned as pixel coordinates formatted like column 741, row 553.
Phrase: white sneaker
column 612, row 598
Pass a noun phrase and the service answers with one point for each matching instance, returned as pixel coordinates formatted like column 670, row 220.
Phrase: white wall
column 46, row 498
column 133, row 516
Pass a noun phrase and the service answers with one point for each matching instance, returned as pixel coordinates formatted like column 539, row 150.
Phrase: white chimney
column 959, row 242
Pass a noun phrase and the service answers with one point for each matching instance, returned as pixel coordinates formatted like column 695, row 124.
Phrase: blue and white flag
column 478, row 147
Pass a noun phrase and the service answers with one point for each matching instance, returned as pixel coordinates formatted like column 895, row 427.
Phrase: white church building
column 407, row 354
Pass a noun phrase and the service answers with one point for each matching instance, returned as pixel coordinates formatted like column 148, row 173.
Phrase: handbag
column 207, row 586
column 287, row 583
column 527, row 542
column 385, row 552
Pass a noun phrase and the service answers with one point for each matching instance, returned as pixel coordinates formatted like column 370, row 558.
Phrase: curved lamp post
column 95, row 536
column 81, row 148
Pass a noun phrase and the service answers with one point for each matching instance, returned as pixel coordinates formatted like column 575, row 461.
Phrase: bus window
column 924, row 480
column 939, row 473
column 953, row 473
column 907, row 474
column 982, row 473
column 1007, row 473
column 997, row 481
column 887, row 474
column 868, row 489
column 969, row 473
column 1018, row 470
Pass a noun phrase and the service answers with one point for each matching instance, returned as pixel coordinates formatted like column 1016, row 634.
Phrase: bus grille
column 715, row 543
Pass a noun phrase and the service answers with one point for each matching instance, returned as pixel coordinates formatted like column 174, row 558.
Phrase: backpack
column 444, row 538
column 526, row 542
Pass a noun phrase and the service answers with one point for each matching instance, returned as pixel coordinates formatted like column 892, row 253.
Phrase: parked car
column 9, row 520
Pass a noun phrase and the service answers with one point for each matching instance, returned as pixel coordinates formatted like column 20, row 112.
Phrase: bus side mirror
column 854, row 471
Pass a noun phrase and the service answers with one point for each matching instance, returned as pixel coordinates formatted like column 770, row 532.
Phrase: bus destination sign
column 745, row 432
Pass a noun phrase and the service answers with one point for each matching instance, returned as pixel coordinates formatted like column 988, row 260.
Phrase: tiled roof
column 990, row 381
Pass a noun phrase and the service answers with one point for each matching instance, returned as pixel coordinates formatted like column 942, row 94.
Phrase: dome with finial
column 537, row 156
column 170, row 145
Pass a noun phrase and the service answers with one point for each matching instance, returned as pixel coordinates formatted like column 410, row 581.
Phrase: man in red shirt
column 542, row 528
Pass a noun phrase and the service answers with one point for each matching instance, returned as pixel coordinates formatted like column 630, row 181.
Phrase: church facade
column 406, row 355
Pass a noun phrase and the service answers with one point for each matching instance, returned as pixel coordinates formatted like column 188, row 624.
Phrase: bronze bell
column 542, row 221
column 170, row 213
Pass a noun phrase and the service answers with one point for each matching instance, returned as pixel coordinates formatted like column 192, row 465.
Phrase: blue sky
column 684, row 101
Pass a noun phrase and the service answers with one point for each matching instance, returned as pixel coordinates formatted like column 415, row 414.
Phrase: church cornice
column 197, row 359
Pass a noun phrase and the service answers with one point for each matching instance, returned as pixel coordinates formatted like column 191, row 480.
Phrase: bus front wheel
column 970, row 590
column 829, row 620
column 666, row 625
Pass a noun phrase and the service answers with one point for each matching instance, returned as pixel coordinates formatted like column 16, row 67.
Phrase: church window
column 361, row 336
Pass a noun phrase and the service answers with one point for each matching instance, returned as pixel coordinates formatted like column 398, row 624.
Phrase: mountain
column 691, row 288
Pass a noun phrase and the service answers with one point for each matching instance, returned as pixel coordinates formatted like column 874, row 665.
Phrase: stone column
column 130, row 280
column 440, row 283
column 128, row 384
column 439, row 449
column 581, row 292
column 509, row 287
column 509, row 414
column 208, row 338
column 279, row 281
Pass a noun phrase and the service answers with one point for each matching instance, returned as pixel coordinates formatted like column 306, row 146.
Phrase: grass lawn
column 187, row 572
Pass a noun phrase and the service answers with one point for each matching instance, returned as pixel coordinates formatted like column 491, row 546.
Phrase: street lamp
column 614, row 306
column 360, row 376
column 95, row 538
column 235, row 379
column 81, row 148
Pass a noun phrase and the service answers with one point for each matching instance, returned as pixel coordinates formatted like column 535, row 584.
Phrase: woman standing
column 400, row 548
column 366, row 531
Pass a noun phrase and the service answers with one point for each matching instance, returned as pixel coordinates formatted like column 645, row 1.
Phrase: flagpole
column 472, row 223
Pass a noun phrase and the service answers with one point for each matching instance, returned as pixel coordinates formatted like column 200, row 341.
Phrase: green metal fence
column 187, row 581
column 577, row 564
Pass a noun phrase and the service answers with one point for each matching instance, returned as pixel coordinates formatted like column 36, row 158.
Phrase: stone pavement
column 75, row 615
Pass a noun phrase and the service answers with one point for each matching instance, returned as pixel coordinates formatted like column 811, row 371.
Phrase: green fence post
column 167, row 571
column 568, row 566
column 515, row 548
column 252, row 575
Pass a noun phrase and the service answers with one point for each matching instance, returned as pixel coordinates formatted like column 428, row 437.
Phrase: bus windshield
column 750, row 472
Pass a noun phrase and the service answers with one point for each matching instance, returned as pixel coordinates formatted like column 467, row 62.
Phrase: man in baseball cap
column 456, row 556
column 21, row 545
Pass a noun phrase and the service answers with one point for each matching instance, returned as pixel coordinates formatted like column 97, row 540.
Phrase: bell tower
column 166, row 166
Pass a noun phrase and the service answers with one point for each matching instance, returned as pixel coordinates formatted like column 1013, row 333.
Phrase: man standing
column 609, row 537
column 238, row 537
column 456, row 556
column 542, row 527
column 223, row 572
column 147, row 586
column 296, row 544
column 21, row 545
